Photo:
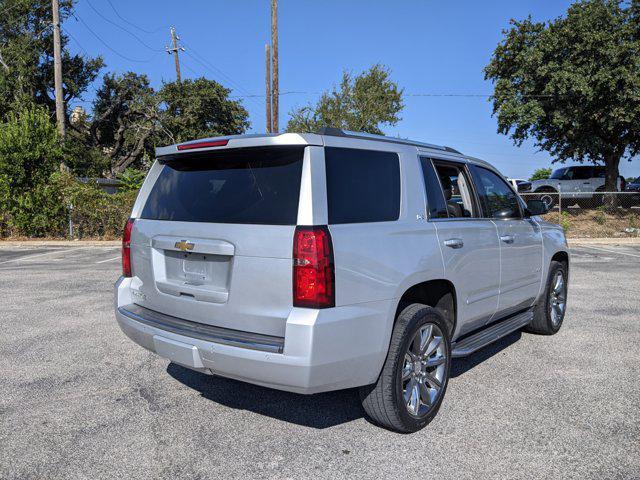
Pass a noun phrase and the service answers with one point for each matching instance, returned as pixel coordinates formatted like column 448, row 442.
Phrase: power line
column 248, row 95
column 122, row 28
column 220, row 72
column 133, row 24
column 75, row 40
column 77, row 17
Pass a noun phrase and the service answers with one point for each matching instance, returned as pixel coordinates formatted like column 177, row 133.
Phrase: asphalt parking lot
column 80, row 400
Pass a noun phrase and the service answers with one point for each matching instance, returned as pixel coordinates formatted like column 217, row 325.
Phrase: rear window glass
column 362, row 185
column 246, row 186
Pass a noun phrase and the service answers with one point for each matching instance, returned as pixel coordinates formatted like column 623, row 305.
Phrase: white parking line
column 25, row 257
column 109, row 260
column 600, row 249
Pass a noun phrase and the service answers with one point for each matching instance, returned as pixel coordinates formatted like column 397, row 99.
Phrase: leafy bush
column 565, row 221
column 131, row 179
column 45, row 210
column 30, row 150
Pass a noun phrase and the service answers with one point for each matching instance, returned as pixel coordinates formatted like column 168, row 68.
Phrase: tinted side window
column 497, row 198
column 362, row 185
column 435, row 198
column 582, row 173
column 599, row 172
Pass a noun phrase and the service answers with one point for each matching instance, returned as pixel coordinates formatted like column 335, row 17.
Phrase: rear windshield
column 245, row 186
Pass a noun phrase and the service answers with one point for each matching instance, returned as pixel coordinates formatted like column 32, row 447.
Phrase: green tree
column 363, row 103
column 126, row 118
column 26, row 49
column 540, row 174
column 572, row 84
column 199, row 108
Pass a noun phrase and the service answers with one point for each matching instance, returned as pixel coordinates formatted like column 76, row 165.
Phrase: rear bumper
column 322, row 350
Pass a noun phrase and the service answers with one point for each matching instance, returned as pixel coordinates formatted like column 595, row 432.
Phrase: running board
column 489, row 335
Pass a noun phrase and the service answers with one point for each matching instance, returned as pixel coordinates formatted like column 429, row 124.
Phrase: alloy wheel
column 557, row 298
column 424, row 370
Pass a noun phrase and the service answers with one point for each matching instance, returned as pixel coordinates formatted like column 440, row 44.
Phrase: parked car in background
column 632, row 197
column 317, row 262
column 520, row 185
column 579, row 184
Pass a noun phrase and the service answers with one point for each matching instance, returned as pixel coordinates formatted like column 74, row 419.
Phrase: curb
column 603, row 241
column 60, row 243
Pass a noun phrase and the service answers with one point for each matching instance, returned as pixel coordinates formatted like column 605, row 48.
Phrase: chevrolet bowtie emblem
column 184, row 245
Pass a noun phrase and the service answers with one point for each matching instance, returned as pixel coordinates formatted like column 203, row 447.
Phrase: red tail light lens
column 211, row 143
column 126, row 248
column 313, row 272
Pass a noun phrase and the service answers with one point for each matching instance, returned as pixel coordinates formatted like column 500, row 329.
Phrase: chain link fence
column 592, row 214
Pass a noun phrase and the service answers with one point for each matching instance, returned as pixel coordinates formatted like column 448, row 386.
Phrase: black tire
column 542, row 322
column 383, row 401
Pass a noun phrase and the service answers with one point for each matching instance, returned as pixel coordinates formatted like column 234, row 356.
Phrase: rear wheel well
column 439, row 294
column 562, row 257
column 546, row 189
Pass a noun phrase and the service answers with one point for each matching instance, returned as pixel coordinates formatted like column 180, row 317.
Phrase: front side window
column 362, row 185
column 457, row 190
column 435, row 197
column 497, row 198
column 558, row 174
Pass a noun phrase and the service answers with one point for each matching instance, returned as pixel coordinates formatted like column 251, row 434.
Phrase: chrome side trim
column 209, row 333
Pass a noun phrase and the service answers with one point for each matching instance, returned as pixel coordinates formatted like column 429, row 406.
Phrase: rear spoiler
column 239, row 141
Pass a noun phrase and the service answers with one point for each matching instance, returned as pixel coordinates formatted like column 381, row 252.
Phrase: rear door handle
column 454, row 243
column 507, row 238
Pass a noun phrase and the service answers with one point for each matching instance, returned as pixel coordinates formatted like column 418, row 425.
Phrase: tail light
column 205, row 144
column 313, row 272
column 126, row 248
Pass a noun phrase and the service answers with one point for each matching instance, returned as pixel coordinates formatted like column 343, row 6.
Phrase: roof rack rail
column 338, row 132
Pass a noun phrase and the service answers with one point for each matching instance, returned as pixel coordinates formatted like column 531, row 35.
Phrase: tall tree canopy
column 26, row 48
column 572, row 84
column 363, row 103
column 200, row 108
column 125, row 119
column 130, row 118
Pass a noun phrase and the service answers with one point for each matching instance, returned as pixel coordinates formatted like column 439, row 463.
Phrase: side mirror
column 536, row 207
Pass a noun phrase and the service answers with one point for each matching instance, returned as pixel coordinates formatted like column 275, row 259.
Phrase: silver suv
column 581, row 185
column 316, row 262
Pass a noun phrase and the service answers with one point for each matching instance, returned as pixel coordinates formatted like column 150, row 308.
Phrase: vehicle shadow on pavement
column 322, row 410
column 462, row 365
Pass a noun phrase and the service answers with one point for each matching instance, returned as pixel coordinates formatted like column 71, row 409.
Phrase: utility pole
column 267, row 54
column 174, row 49
column 57, row 70
column 274, row 46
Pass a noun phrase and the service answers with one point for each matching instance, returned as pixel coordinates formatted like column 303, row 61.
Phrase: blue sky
column 432, row 47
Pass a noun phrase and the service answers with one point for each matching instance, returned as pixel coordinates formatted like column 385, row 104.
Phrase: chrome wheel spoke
column 425, row 396
column 407, row 368
column 435, row 361
column 433, row 381
column 412, row 396
column 433, row 346
column 426, row 334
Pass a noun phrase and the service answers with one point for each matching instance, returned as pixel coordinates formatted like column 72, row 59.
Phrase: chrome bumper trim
column 209, row 333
